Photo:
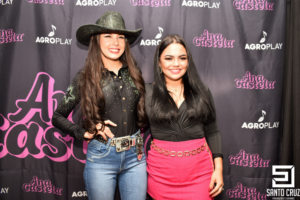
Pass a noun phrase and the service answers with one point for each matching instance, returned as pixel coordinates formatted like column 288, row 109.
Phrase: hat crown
column 111, row 20
column 108, row 22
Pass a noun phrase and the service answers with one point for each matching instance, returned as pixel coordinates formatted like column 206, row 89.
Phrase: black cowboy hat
column 109, row 22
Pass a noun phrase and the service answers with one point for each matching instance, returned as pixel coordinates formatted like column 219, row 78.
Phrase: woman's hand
column 216, row 184
column 105, row 132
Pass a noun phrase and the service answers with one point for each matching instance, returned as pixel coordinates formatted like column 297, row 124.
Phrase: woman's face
column 112, row 46
column 173, row 62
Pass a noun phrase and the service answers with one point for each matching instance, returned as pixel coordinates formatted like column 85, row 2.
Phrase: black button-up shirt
column 184, row 128
column 121, row 98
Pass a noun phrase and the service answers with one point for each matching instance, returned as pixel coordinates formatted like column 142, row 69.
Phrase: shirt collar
column 124, row 66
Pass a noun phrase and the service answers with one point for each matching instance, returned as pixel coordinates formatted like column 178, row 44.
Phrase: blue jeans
column 105, row 168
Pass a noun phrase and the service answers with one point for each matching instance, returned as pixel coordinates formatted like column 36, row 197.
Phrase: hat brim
column 85, row 32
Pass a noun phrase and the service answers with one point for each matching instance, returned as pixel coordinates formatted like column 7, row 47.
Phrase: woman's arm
column 213, row 137
column 67, row 104
column 214, row 140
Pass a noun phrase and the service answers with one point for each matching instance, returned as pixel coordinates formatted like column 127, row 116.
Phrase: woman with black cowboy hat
column 111, row 92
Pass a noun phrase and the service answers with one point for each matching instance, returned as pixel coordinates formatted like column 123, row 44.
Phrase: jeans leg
column 100, row 185
column 100, row 172
column 133, row 178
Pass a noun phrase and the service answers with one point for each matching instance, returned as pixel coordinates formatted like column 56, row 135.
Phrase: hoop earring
column 160, row 69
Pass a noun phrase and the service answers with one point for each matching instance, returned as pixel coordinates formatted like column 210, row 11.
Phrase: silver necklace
column 175, row 89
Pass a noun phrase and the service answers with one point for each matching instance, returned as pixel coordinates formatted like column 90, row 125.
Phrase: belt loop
column 113, row 142
column 133, row 141
column 108, row 142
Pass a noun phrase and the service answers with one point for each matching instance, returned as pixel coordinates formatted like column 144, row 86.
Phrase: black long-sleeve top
column 121, row 98
column 183, row 128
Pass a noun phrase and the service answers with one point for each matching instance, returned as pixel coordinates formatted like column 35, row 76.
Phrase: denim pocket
column 97, row 149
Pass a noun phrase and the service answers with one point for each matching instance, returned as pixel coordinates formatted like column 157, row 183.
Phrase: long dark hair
column 197, row 95
column 92, row 99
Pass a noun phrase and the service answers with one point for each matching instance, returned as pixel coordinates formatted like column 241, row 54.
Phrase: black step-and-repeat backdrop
column 237, row 46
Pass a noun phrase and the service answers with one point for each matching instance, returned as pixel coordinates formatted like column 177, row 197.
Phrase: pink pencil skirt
column 179, row 170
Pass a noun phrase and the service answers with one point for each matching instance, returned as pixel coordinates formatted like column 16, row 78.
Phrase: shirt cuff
column 218, row 155
column 80, row 134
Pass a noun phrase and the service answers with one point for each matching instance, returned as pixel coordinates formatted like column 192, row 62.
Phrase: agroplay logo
column 153, row 42
column 79, row 194
column 96, row 2
column 263, row 46
column 4, row 190
column 201, row 4
column 151, row 3
column 50, row 39
column 6, row 2
column 261, row 124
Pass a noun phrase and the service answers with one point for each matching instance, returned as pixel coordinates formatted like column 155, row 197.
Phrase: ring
column 221, row 189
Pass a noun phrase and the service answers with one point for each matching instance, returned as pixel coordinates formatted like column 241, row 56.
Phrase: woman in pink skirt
column 185, row 159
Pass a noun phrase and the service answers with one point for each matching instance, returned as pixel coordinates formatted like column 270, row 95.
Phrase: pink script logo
column 254, row 82
column 9, row 36
column 213, row 40
column 39, row 185
column 19, row 126
column 57, row 2
column 152, row 3
column 252, row 5
column 243, row 192
column 248, row 160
